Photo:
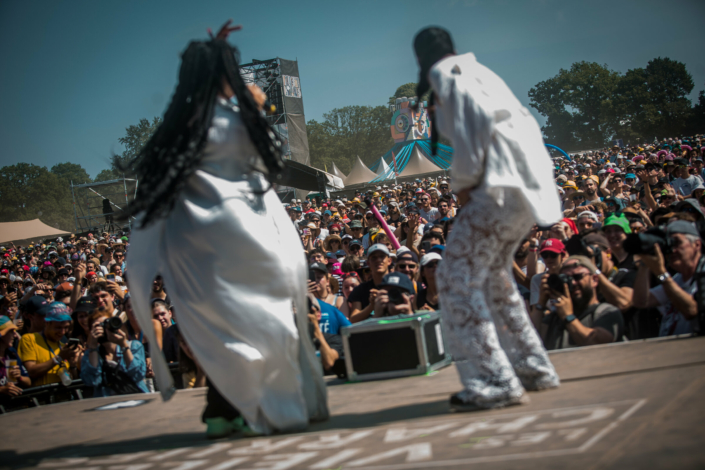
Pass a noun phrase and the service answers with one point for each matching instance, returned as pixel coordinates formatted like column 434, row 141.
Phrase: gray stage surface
column 637, row 405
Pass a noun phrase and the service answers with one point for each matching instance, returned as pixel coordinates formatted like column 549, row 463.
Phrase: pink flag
column 394, row 159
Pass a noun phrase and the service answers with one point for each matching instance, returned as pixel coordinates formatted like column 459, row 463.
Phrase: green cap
column 618, row 220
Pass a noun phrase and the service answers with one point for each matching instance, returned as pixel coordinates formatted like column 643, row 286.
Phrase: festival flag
column 394, row 160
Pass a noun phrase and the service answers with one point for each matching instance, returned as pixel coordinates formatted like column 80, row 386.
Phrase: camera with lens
column 112, row 324
column 577, row 245
column 643, row 242
column 557, row 281
column 395, row 297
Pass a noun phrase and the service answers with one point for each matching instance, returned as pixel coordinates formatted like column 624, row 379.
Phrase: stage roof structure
column 416, row 155
column 382, row 167
column 28, row 230
column 359, row 173
column 335, row 171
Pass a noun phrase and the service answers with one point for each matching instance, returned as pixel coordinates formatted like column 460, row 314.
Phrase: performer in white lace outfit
column 505, row 173
column 211, row 225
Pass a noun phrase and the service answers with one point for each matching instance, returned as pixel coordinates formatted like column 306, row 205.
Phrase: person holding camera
column 578, row 318
column 395, row 296
column 675, row 296
column 112, row 365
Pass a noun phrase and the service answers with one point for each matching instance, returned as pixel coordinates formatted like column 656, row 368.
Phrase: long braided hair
column 174, row 151
column 430, row 45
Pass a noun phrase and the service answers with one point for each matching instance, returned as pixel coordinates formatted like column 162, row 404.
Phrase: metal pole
column 75, row 214
column 124, row 185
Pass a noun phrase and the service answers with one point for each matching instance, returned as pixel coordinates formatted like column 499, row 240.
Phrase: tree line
column 585, row 107
column 589, row 105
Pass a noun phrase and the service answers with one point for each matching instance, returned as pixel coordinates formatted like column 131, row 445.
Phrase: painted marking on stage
column 466, row 437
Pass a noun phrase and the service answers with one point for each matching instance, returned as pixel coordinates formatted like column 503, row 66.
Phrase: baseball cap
column 407, row 255
column 440, row 249
column 34, row 304
column 64, row 287
column 319, row 267
column 86, row 304
column 428, row 257
column 377, row 247
column 399, row 280
column 56, row 311
column 553, row 245
column 355, row 242
column 682, row 226
column 618, row 220
column 6, row 325
column 356, row 224
column 588, row 215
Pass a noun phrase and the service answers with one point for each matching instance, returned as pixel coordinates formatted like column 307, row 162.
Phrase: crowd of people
column 622, row 264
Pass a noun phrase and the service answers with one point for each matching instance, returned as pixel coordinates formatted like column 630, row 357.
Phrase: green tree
column 30, row 192
column 578, row 105
column 135, row 138
column 653, row 101
column 347, row 132
column 107, row 175
column 71, row 173
column 408, row 90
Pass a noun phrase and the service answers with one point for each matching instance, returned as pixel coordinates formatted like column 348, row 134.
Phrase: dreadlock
column 174, row 151
column 430, row 44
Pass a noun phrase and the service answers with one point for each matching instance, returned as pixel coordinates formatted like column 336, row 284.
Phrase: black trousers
column 217, row 406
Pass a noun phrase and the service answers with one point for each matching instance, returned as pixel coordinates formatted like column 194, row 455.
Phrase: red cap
column 554, row 245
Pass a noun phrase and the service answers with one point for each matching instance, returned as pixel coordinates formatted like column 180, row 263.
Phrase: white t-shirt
column 684, row 186
column 431, row 216
column 673, row 322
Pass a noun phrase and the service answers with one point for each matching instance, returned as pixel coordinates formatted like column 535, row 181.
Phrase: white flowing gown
column 234, row 267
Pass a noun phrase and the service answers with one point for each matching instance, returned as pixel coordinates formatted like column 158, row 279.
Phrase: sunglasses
column 346, row 242
column 369, row 217
column 334, row 233
column 549, row 255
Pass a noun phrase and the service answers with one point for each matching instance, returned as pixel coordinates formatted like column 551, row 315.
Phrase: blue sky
column 75, row 74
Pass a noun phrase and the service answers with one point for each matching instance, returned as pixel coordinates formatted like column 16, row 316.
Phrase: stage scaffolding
column 96, row 206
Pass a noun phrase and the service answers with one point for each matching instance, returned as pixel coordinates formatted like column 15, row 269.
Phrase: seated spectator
column 43, row 354
column 112, row 364
column 84, row 308
column 408, row 263
column 326, row 287
column 170, row 344
column 428, row 295
column 333, row 243
column 579, row 318
column 33, row 319
column 350, row 281
column 329, row 345
column 12, row 378
column 362, row 297
column 395, row 296
column 192, row 375
column 107, row 295
column 675, row 296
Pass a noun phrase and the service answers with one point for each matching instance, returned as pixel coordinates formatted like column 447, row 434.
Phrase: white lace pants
column 490, row 336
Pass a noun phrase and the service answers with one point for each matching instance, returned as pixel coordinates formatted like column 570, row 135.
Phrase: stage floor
column 635, row 405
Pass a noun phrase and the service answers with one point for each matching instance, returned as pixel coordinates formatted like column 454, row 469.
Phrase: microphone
column 269, row 108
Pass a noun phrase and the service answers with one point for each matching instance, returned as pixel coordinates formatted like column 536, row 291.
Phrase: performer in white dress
column 505, row 179
column 211, row 225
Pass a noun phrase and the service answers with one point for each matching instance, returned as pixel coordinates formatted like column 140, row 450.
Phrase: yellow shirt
column 33, row 347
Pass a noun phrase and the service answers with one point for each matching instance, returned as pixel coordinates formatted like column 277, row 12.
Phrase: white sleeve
column 464, row 122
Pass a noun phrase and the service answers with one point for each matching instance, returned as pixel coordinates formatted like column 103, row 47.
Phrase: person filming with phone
column 112, row 365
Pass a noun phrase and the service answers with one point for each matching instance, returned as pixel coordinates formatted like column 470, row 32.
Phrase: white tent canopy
column 359, row 173
column 419, row 164
column 335, row 171
column 29, row 230
column 383, row 167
